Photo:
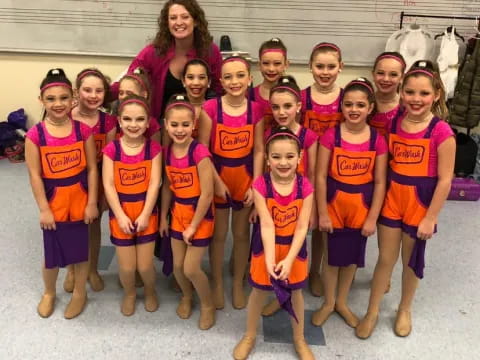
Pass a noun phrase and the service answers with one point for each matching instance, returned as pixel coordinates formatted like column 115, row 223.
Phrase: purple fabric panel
column 346, row 247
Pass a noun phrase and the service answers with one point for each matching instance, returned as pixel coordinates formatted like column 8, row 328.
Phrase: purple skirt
column 66, row 245
column 346, row 247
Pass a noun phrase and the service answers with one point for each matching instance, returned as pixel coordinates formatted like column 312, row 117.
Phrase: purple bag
column 464, row 189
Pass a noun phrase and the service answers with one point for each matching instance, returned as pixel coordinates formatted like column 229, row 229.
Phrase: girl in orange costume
column 92, row 91
column 422, row 150
column 190, row 182
column 131, row 178
column 283, row 200
column 233, row 128
column 351, row 181
column 321, row 105
column 61, row 160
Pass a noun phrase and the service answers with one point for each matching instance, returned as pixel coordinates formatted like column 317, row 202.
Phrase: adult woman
column 182, row 35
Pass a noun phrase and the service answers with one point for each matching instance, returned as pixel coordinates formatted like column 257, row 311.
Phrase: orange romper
column 64, row 173
column 233, row 157
column 185, row 186
column 320, row 123
column 285, row 219
column 410, row 189
column 349, row 196
column 131, row 184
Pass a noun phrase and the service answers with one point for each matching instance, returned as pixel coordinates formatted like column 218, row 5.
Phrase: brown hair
column 390, row 55
column 98, row 74
column 179, row 101
column 427, row 69
column 196, row 61
column 281, row 133
column 56, row 75
column 272, row 44
column 139, row 76
column 237, row 58
column 201, row 36
column 287, row 83
column 361, row 84
column 325, row 47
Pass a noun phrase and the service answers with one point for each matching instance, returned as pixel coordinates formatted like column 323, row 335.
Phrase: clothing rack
column 403, row 14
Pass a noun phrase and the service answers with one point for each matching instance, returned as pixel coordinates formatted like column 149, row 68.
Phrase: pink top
column 51, row 140
column 201, row 152
column 385, row 118
column 210, row 107
column 157, row 68
column 328, row 141
column 265, row 104
column 441, row 132
column 261, row 187
column 321, row 108
column 109, row 151
column 110, row 123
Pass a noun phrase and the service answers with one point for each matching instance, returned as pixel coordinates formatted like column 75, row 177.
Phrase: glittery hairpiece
column 55, row 84
column 180, row 103
column 390, row 56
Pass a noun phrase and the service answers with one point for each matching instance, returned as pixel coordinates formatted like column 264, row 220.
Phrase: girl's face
column 235, row 78
column 273, row 65
column 58, row 101
column 129, row 87
column 196, row 81
column 387, row 75
column 180, row 22
column 133, row 120
column 418, row 95
column 325, row 68
column 283, row 158
column 91, row 93
column 179, row 124
column 356, row 107
column 285, row 107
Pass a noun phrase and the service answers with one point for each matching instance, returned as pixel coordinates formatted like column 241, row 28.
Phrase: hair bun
column 275, row 40
column 55, row 72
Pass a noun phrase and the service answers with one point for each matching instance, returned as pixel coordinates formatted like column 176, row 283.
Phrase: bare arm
column 153, row 186
column 91, row 155
column 109, row 186
column 206, row 195
column 111, row 136
column 258, row 149
column 204, row 128
column 312, row 159
column 267, row 228
column 323, row 160
column 380, row 186
column 299, row 237
column 32, row 157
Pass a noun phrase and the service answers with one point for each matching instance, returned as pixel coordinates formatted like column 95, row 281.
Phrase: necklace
column 387, row 101
column 325, row 90
column 235, row 105
column 86, row 114
column 353, row 131
column 47, row 119
column 426, row 118
column 130, row 145
column 284, row 182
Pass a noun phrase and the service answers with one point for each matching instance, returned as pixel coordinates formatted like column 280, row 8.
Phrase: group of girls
column 285, row 159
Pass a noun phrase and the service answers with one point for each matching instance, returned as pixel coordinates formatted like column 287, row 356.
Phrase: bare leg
column 389, row 240
column 216, row 252
column 147, row 273
column 241, row 249
column 47, row 303
column 184, row 308
column 345, row 279
column 79, row 296
column 316, row 256
column 127, row 264
column 94, row 278
column 301, row 346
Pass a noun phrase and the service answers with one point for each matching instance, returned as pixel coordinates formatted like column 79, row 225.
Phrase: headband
column 236, row 58
column 281, row 51
column 420, row 71
column 180, row 103
column 329, row 45
column 138, row 79
column 283, row 87
column 90, row 72
column 360, row 82
column 282, row 133
column 133, row 101
column 390, row 56
column 45, row 87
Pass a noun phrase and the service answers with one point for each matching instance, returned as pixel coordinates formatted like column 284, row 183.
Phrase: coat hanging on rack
column 448, row 62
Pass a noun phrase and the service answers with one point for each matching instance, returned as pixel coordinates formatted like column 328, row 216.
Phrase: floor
column 446, row 311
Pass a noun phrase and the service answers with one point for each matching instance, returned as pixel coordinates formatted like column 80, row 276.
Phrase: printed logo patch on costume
column 231, row 141
column 64, row 160
column 407, row 154
column 130, row 177
column 181, row 180
column 283, row 218
column 320, row 126
column 352, row 166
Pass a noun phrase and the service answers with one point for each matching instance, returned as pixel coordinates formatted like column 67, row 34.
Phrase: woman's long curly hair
column 201, row 36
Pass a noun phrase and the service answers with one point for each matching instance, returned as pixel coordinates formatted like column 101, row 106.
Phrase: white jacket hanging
column 448, row 62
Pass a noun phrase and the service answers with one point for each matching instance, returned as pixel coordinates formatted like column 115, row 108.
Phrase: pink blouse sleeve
column 32, row 134
column 257, row 112
column 307, row 187
column 260, row 186
column 110, row 122
column 155, row 148
column 441, row 132
column 201, row 152
column 109, row 150
column 210, row 107
column 381, row 146
column 328, row 139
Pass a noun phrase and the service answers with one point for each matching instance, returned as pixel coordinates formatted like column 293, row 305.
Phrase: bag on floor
column 464, row 189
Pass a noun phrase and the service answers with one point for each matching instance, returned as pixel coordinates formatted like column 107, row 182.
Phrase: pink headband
column 236, row 58
column 294, row 92
column 389, row 56
column 180, row 103
column 361, row 83
column 420, row 71
column 281, row 133
column 133, row 101
column 90, row 72
column 281, row 51
column 329, row 45
column 138, row 79
column 55, row 84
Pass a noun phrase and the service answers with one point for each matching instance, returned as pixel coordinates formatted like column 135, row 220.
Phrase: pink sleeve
column 257, row 112
column 32, row 134
column 328, row 139
column 110, row 122
column 381, row 145
column 210, row 107
column 441, row 132
column 201, row 152
column 155, row 148
column 86, row 131
column 260, row 186
column 307, row 187
column 310, row 138
column 109, row 150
